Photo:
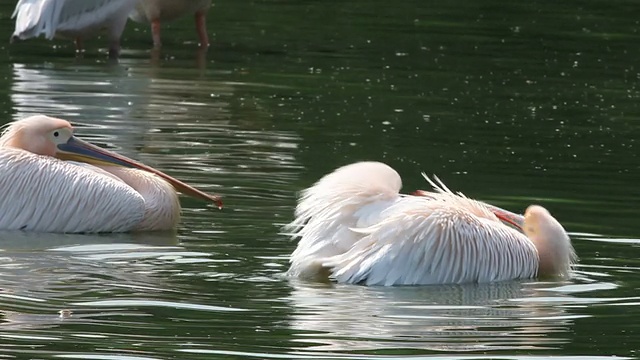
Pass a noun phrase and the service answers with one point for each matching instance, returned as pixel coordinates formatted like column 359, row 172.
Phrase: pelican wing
column 31, row 16
column 46, row 17
column 351, row 196
column 48, row 195
column 426, row 241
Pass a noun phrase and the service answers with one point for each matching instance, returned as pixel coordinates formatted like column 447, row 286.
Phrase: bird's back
column 435, row 241
column 161, row 203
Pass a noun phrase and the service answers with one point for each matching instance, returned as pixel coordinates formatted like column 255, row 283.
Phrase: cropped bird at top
column 157, row 11
column 100, row 191
column 73, row 19
column 354, row 227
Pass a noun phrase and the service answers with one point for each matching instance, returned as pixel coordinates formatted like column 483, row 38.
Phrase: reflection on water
column 459, row 318
column 121, row 105
column 51, row 281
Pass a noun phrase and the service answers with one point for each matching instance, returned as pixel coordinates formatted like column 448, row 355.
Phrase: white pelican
column 74, row 19
column 354, row 227
column 156, row 11
column 41, row 192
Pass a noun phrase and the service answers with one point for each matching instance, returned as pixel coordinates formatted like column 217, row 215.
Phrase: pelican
column 354, row 227
column 75, row 19
column 100, row 191
column 156, row 11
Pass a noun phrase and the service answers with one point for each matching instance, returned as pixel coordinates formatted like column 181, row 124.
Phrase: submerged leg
column 115, row 33
column 114, row 49
column 78, row 42
column 201, row 28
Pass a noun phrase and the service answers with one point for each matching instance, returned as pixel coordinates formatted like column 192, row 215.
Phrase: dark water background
column 510, row 102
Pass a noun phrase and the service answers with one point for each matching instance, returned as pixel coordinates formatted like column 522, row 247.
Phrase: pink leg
column 78, row 42
column 155, row 32
column 201, row 28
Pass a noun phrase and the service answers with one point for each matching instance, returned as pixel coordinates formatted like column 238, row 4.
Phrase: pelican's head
column 555, row 252
column 49, row 136
column 38, row 134
column 554, row 247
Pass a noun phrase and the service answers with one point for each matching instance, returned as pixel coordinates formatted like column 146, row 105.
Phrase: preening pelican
column 74, row 19
column 354, row 227
column 41, row 192
column 157, row 11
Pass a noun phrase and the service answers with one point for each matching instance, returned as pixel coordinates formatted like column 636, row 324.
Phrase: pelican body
column 75, row 19
column 156, row 11
column 100, row 191
column 353, row 226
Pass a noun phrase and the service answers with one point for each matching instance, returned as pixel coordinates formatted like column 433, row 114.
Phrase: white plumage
column 43, row 193
column 353, row 226
column 49, row 195
column 75, row 19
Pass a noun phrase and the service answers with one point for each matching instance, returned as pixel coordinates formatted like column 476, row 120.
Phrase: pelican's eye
column 60, row 136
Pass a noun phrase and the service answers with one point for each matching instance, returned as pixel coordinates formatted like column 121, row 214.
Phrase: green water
column 512, row 103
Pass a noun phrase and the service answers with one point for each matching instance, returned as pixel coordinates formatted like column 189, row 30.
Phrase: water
column 510, row 103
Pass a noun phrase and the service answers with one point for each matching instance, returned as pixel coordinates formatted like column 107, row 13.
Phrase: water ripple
column 145, row 303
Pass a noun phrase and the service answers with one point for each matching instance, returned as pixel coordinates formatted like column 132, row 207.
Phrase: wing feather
column 70, row 17
column 437, row 243
column 49, row 195
column 351, row 197
column 31, row 17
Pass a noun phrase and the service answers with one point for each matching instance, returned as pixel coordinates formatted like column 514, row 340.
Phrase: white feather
column 48, row 195
column 71, row 18
column 437, row 243
column 329, row 210
column 355, row 227
column 42, row 193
